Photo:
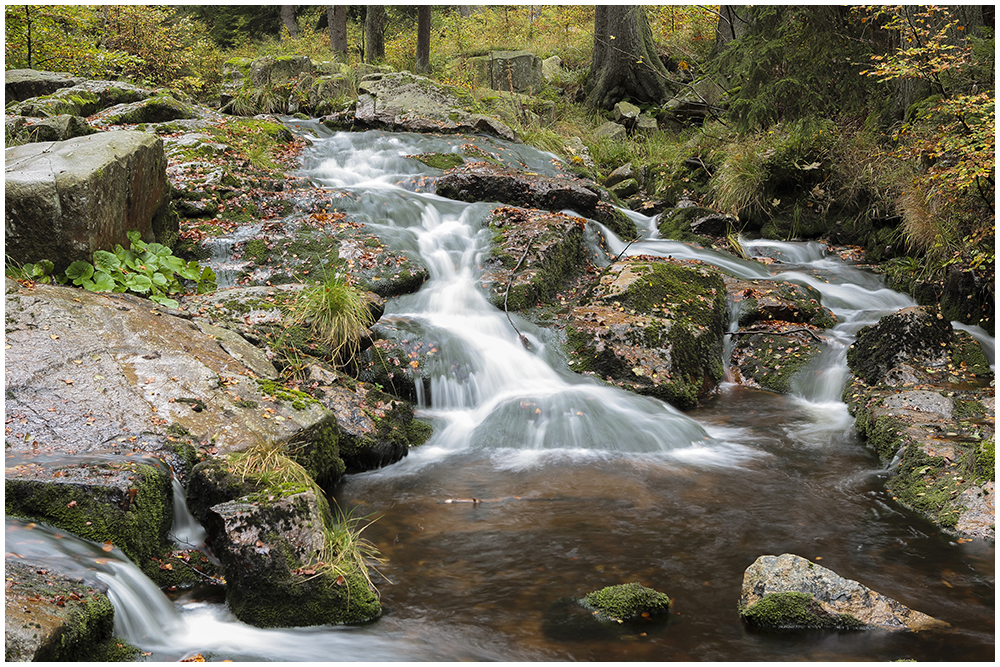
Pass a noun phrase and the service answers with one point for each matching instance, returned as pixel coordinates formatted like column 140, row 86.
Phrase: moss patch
column 627, row 602
column 796, row 610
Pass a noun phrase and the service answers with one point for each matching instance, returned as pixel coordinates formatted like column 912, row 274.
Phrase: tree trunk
column 732, row 25
column 375, row 34
column 288, row 19
column 336, row 16
column 467, row 10
column 625, row 63
column 423, row 39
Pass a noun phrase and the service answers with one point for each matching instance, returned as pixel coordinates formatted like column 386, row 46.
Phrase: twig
column 524, row 339
column 775, row 333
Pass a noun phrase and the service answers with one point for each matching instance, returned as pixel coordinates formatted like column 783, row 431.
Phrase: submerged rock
column 790, row 592
column 653, row 326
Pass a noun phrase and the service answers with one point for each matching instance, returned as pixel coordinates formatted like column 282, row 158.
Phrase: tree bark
column 423, row 39
column 336, row 16
column 288, row 19
column 375, row 34
column 732, row 25
column 625, row 64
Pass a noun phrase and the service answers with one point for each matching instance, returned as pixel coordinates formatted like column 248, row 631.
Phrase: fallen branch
column 772, row 332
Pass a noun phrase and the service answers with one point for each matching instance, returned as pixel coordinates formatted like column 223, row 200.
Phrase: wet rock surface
column 49, row 617
column 653, row 326
column 922, row 394
column 791, row 592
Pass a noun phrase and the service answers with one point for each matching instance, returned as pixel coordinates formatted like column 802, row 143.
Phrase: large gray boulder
column 24, row 130
column 65, row 200
column 22, row 84
column 789, row 591
column 411, row 103
column 909, row 337
column 83, row 99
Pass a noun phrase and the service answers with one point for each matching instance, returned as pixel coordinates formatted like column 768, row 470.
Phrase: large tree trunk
column 336, row 16
column 625, row 63
column 424, row 39
column 288, row 19
column 375, row 34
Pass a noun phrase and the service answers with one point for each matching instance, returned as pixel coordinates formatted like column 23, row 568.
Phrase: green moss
column 796, row 610
column 442, row 161
column 299, row 400
column 986, row 461
column 773, row 361
column 966, row 351
column 256, row 250
column 884, row 434
column 918, row 482
column 112, row 650
column 628, row 602
column 136, row 519
column 967, row 409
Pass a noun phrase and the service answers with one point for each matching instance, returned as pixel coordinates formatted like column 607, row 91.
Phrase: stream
column 581, row 485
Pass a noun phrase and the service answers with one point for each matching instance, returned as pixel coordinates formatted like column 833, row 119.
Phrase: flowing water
column 539, row 485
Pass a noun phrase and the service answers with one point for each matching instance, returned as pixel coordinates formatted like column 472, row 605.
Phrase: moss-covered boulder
column 532, row 255
column 82, row 99
column 694, row 224
column 53, row 128
column 49, row 617
column 286, row 560
column 22, row 84
column 779, row 331
column 910, row 337
column 626, row 603
column 156, row 109
column 790, row 592
column 127, row 503
column 653, row 326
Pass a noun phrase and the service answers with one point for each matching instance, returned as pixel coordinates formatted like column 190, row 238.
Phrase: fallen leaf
column 108, row 546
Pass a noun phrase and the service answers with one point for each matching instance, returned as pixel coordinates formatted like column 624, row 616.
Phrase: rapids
column 580, row 485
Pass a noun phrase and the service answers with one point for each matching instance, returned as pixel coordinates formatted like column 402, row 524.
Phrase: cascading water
column 573, row 485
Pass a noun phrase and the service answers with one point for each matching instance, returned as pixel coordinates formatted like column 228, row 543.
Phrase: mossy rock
column 771, row 360
column 127, row 503
column 157, row 109
column 627, row 603
column 442, row 161
column 794, row 610
column 675, row 224
column 911, row 335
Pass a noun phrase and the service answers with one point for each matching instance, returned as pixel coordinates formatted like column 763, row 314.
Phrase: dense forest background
column 880, row 121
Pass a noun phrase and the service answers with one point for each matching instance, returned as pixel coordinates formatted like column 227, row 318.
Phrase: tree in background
column 423, row 39
column 625, row 63
column 949, row 205
column 287, row 13
column 375, row 34
column 336, row 16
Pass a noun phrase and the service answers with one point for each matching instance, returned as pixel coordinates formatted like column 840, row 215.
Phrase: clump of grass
column 269, row 464
column 346, row 552
column 336, row 313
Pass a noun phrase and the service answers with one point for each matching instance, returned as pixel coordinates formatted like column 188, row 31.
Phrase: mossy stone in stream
column 627, row 602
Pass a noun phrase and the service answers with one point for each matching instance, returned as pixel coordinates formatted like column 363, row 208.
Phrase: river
column 579, row 485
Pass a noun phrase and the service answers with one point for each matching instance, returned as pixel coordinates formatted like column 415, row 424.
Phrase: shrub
column 335, row 312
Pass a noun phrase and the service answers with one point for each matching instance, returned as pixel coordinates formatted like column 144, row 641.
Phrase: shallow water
column 539, row 485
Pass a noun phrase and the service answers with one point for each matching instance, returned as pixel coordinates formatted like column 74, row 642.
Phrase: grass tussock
column 336, row 313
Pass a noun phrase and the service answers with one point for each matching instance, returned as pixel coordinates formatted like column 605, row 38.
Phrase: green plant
column 335, row 312
column 146, row 268
column 268, row 463
column 346, row 552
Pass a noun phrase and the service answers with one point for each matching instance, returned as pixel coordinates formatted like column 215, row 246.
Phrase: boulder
column 156, row 109
column 484, row 181
column 622, row 173
column 646, row 125
column 124, row 501
column 66, row 200
column 909, row 337
column 23, row 84
column 626, row 113
column 411, row 103
column 54, row 128
column 534, row 253
column 791, row 592
column 122, row 374
column 694, row 104
column 278, row 70
column 272, row 547
column 611, row 131
column 510, row 71
column 681, row 222
column 627, row 603
column 653, row 326
column 83, row 99
column 552, row 69
column 625, row 188
column 968, row 297
column 50, row 617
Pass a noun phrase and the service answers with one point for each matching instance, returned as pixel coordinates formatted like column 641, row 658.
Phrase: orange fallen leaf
column 108, row 546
